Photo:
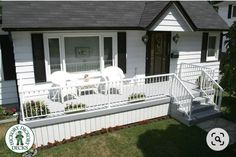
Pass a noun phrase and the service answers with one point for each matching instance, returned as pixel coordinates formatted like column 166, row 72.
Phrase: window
column 234, row 11
column 76, row 53
column 82, row 53
column 108, row 51
column 212, row 48
column 54, row 54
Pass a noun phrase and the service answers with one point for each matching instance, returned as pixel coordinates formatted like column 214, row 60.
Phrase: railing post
column 220, row 100
column 108, row 90
column 201, row 79
column 190, row 109
column 171, row 85
column 180, row 69
column 21, row 99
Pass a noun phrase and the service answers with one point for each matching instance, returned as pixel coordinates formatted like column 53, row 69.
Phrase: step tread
column 204, row 114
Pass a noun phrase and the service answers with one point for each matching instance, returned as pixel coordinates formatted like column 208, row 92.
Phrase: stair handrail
column 215, row 84
column 189, row 95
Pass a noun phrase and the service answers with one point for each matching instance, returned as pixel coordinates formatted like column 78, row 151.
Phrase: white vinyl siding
column 172, row 20
column 23, row 57
column 136, row 54
column 8, row 94
column 189, row 48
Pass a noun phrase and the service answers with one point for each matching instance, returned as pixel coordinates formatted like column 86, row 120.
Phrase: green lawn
column 156, row 139
column 229, row 107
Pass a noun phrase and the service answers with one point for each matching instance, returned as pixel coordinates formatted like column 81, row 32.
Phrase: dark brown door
column 158, row 53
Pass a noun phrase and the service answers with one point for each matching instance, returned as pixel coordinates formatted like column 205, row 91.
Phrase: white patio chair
column 113, row 74
column 60, row 78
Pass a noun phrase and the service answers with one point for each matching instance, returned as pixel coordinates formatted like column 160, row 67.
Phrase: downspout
column 17, row 90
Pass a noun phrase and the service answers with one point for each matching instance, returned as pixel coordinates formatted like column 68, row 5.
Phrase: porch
column 192, row 94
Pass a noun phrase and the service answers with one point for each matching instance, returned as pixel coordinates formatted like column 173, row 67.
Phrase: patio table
column 84, row 86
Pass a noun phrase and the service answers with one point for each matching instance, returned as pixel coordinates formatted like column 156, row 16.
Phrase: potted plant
column 135, row 97
column 74, row 108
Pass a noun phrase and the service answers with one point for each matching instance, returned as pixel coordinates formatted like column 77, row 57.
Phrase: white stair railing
column 190, row 73
column 211, row 89
column 182, row 96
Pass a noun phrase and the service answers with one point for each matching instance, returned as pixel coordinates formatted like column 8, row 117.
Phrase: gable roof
column 53, row 15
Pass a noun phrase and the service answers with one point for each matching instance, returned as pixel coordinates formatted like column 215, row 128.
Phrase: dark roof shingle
column 103, row 14
column 203, row 15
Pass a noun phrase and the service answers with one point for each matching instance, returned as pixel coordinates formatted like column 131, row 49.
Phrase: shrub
column 35, row 108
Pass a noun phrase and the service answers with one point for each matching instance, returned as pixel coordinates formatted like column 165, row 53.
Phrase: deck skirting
column 49, row 130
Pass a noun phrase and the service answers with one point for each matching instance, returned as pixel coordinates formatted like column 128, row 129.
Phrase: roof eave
column 71, row 28
column 212, row 29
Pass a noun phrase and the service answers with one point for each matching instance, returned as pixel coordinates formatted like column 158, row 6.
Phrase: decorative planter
column 136, row 97
column 74, row 108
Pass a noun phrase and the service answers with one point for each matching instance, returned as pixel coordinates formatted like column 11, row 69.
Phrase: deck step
column 199, row 100
column 202, row 107
column 203, row 116
column 200, row 112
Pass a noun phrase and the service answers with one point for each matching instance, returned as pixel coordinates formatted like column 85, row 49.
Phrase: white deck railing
column 57, row 101
column 192, row 73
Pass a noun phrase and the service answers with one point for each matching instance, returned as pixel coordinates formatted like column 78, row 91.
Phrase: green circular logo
column 19, row 138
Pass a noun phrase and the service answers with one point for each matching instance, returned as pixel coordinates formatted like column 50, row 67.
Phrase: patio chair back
column 113, row 73
column 60, row 78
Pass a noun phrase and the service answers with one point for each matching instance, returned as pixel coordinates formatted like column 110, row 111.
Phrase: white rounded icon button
column 217, row 139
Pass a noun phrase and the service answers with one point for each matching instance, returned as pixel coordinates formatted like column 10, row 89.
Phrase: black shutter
column 8, row 61
column 122, row 50
column 220, row 47
column 38, row 57
column 204, row 46
column 229, row 11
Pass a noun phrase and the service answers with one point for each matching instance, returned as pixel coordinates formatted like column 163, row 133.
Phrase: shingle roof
column 203, row 15
column 104, row 14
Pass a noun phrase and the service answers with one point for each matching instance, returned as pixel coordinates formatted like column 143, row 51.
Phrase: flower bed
column 6, row 113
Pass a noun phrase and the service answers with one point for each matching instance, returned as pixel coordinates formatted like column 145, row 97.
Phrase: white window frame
column 232, row 13
column 213, row 58
column 61, row 37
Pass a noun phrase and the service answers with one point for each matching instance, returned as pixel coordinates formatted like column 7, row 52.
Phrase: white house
column 227, row 11
column 168, row 51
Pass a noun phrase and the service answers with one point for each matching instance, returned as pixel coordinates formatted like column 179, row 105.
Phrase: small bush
column 35, row 108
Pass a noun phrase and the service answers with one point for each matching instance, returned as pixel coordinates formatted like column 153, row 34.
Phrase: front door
column 158, row 53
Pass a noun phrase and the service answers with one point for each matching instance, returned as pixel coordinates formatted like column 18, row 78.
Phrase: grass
column 229, row 107
column 156, row 139
column 4, row 151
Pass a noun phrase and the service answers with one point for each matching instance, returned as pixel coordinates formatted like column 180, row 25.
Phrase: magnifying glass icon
column 217, row 138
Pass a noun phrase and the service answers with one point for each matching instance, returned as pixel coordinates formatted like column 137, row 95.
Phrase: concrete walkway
column 229, row 126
